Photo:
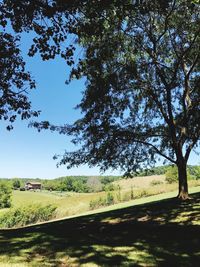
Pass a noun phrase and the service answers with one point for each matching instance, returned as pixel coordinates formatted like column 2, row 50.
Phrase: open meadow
column 71, row 203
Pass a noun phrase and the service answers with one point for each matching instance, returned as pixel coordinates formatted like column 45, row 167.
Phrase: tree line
column 89, row 184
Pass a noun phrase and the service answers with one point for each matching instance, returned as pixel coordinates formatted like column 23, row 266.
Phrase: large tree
column 141, row 60
column 15, row 82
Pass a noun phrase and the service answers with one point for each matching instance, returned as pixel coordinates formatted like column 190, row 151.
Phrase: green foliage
column 196, row 1
column 132, row 193
column 171, row 175
column 68, row 183
column 156, row 182
column 159, row 170
column 14, row 79
column 118, row 193
column 80, row 184
column 109, row 179
column 16, row 184
column 130, row 112
column 109, row 198
column 27, row 215
column 109, row 187
column 97, row 203
column 5, row 195
column 80, row 187
column 143, row 193
column 194, row 171
column 102, row 201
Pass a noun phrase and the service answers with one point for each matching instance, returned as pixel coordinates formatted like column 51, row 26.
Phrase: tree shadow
column 154, row 234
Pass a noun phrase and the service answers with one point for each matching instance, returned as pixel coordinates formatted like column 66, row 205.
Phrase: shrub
column 102, row 202
column 109, row 199
column 27, row 215
column 132, row 194
column 143, row 193
column 118, row 193
column 97, row 203
column 156, row 182
column 5, row 195
column 16, row 184
column 171, row 175
column 109, row 187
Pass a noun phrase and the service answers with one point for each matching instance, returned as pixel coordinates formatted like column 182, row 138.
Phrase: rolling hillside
column 161, row 233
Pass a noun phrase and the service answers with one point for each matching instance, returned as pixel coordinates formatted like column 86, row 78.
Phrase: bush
column 97, row 203
column 102, row 202
column 5, row 195
column 132, row 194
column 27, row 215
column 171, row 175
column 156, row 182
column 143, row 193
column 118, row 193
column 109, row 199
column 16, row 184
column 22, row 189
column 109, row 187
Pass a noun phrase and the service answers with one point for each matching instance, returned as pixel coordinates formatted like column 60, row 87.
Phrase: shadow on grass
column 155, row 234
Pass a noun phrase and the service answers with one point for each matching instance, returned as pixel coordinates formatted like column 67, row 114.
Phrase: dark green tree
column 15, row 82
column 141, row 63
column 5, row 195
column 16, row 183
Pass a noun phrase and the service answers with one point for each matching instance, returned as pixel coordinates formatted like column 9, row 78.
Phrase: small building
column 33, row 186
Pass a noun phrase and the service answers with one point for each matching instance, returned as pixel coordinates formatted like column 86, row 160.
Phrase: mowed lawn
column 158, row 233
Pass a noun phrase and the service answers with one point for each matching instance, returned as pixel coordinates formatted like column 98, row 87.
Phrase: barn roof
column 33, row 183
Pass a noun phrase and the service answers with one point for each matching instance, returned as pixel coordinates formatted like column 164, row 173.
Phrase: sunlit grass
column 72, row 204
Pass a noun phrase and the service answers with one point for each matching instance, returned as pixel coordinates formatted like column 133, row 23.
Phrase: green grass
column 157, row 233
column 70, row 204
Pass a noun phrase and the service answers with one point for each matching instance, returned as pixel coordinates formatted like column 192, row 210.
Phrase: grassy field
column 157, row 233
column 68, row 203
column 77, row 203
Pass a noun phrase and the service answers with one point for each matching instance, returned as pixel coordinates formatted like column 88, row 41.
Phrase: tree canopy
column 141, row 63
column 14, row 82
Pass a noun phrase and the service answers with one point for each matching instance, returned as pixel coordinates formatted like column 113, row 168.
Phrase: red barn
column 33, row 186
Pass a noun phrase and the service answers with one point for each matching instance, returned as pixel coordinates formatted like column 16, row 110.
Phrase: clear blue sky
column 23, row 151
column 26, row 153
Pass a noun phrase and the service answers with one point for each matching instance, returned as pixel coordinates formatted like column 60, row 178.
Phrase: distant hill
column 85, row 184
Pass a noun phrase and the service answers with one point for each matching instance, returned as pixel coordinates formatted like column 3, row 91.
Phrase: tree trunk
column 182, row 179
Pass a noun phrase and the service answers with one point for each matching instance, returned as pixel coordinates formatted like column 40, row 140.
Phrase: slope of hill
column 162, row 233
